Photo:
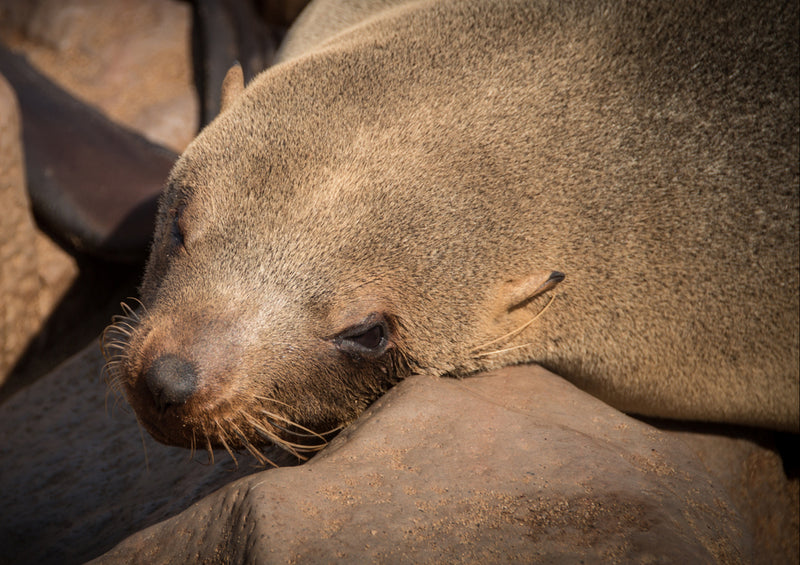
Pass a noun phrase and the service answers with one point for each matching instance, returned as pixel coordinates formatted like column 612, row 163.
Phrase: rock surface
column 130, row 58
column 748, row 465
column 78, row 475
column 511, row 466
column 494, row 468
column 34, row 273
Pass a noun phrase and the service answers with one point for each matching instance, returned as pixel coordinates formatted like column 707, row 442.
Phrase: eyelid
column 368, row 323
column 344, row 342
column 177, row 231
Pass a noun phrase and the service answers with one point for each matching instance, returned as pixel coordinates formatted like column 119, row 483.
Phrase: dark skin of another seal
column 609, row 189
column 107, row 209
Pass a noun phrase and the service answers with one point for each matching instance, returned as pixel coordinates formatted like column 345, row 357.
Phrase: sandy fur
column 425, row 161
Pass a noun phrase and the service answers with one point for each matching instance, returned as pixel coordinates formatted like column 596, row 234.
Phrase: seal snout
column 172, row 381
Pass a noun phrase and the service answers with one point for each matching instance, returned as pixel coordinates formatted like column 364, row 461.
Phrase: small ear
column 232, row 86
column 522, row 290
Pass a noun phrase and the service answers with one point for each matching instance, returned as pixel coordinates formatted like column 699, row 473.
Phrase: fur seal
column 402, row 192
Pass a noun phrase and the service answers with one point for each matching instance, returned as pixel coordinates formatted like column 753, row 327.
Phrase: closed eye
column 370, row 338
column 176, row 233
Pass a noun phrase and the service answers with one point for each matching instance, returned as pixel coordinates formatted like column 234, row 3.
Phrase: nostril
column 171, row 380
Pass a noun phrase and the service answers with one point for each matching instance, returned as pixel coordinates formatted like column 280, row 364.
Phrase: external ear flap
column 512, row 295
column 232, row 86
column 522, row 290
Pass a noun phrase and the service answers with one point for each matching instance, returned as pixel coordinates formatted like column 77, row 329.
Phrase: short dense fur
column 433, row 162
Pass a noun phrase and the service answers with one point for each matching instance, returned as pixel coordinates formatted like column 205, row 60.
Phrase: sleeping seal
column 608, row 189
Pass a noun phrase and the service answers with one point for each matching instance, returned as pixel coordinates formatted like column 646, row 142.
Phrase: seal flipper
column 94, row 183
column 224, row 32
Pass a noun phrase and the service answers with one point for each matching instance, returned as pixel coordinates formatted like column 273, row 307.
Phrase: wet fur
column 424, row 163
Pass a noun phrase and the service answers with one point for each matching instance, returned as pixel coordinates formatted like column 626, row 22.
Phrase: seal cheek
column 171, row 380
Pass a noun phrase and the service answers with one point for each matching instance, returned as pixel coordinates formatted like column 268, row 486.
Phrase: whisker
column 498, row 351
column 261, row 430
column 299, row 446
column 120, row 321
column 475, row 351
column 192, row 445
column 130, row 312
column 311, row 433
column 208, row 447
column 112, row 335
column 275, row 440
column 272, row 438
column 141, row 305
column 144, row 447
column 268, row 399
column 123, row 328
column 221, row 437
column 246, row 443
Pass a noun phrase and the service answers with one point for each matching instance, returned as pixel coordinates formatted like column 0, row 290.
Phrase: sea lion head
column 309, row 252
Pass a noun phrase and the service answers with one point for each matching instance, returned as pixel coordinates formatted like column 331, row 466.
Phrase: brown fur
column 435, row 163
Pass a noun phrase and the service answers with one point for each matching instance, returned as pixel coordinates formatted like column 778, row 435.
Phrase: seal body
column 400, row 193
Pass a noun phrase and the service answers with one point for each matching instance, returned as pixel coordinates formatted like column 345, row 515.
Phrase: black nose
column 171, row 380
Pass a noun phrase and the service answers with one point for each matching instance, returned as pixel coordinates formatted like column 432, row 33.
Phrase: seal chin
column 165, row 434
column 168, row 425
column 180, row 426
column 172, row 410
